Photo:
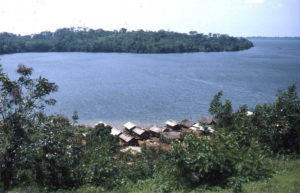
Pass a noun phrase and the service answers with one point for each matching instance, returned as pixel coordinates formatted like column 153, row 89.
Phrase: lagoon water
column 151, row 88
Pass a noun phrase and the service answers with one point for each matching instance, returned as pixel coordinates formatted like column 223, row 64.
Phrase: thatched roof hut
column 156, row 131
column 115, row 132
column 211, row 130
column 129, row 126
column 127, row 139
column 141, row 133
column 172, row 135
column 207, row 121
column 171, row 123
column 187, row 123
column 197, row 127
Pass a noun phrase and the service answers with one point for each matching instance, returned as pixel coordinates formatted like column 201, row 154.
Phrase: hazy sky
column 233, row 17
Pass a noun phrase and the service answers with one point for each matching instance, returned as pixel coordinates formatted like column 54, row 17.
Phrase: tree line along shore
column 89, row 40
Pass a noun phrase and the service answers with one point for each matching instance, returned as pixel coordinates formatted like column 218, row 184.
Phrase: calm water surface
column 151, row 88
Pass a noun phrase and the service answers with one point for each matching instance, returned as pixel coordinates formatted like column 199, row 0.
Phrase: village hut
column 156, row 131
column 197, row 127
column 187, row 123
column 211, row 130
column 115, row 132
column 171, row 136
column 140, row 133
column 172, row 124
column 129, row 126
column 127, row 140
column 207, row 121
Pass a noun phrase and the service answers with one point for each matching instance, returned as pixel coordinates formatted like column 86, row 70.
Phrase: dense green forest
column 89, row 40
column 47, row 152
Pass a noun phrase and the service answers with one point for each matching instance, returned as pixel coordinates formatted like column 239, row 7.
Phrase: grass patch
column 285, row 180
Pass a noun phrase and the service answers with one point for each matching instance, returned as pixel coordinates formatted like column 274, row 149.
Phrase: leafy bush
column 22, row 105
column 275, row 126
column 221, row 159
column 99, row 165
column 278, row 124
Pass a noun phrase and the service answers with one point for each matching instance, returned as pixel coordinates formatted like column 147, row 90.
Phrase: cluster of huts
column 132, row 136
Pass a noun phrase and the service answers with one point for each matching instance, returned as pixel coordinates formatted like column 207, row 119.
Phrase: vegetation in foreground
column 285, row 180
column 49, row 153
column 89, row 40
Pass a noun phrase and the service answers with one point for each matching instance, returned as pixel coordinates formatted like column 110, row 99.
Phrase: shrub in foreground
column 219, row 160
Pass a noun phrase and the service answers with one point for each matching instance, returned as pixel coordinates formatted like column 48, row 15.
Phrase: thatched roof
column 156, row 129
column 129, row 125
column 172, row 135
column 187, row 123
column 207, row 121
column 171, row 123
column 211, row 130
column 125, row 137
column 115, row 131
column 197, row 127
column 138, row 131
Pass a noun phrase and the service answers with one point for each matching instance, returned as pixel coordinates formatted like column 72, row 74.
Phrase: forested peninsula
column 89, row 40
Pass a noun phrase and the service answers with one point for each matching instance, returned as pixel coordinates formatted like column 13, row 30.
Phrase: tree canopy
column 89, row 40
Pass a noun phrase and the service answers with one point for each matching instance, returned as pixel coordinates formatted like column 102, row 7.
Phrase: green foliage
column 222, row 159
column 22, row 105
column 276, row 126
column 48, row 150
column 222, row 112
column 216, row 105
column 99, row 165
column 286, row 180
column 88, row 40
column 56, row 154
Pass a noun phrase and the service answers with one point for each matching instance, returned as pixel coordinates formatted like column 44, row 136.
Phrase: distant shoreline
column 122, row 41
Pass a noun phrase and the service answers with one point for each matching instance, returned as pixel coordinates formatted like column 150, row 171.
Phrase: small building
column 127, row 140
column 197, row 127
column 187, row 123
column 207, row 121
column 211, row 130
column 115, row 132
column 140, row 133
column 172, row 124
column 172, row 135
column 129, row 126
column 156, row 131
